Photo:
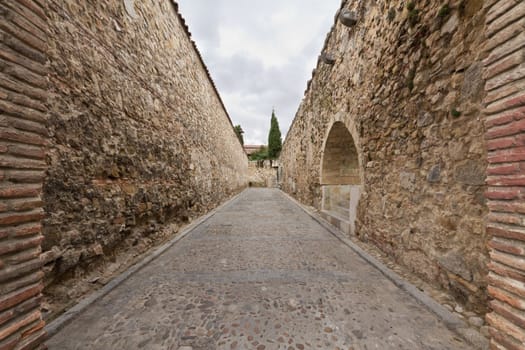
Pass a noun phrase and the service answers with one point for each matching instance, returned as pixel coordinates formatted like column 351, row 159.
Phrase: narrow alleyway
column 259, row 274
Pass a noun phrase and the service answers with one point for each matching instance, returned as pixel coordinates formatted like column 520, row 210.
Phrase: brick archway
column 340, row 178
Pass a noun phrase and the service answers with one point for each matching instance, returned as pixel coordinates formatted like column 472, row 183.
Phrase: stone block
column 348, row 18
column 454, row 262
column 473, row 83
column 434, row 175
column 472, row 172
column 407, row 180
column 450, row 25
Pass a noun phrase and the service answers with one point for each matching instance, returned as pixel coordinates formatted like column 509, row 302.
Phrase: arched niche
column 340, row 178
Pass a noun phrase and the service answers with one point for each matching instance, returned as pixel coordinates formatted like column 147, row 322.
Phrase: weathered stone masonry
column 23, row 140
column 139, row 134
column 138, row 137
column 408, row 85
column 399, row 125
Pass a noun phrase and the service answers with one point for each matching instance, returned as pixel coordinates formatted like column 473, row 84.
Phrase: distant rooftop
column 251, row 149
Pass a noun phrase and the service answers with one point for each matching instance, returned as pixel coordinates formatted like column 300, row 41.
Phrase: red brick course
column 515, row 154
column 504, row 193
column 506, row 169
column 501, row 341
column 13, row 299
column 23, row 135
column 509, row 207
column 505, row 123
column 506, row 232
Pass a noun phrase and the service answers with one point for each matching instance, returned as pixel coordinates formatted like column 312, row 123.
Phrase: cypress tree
column 274, row 138
column 239, row 131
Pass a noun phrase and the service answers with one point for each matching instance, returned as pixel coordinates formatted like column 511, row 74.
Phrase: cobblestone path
column 259, row 274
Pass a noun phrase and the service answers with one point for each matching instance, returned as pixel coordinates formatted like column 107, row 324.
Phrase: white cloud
column 260, row 54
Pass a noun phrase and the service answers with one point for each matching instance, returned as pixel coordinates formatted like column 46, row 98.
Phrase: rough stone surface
column 140, row 137
column 408, row 87
column 134, row 116
column 259, row 274
column 471, row 172
column 434, row 175
column 262, row 173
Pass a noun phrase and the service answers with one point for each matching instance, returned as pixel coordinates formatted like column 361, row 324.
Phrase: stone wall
column 262, row 173
column 23, row 139
column 139, row 134
column 406, row 81
column 505, row 122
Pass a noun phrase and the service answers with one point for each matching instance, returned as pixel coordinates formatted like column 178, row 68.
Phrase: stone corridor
column 258, row 274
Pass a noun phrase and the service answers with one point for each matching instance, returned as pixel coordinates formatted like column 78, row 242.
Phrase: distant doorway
column 340, row 180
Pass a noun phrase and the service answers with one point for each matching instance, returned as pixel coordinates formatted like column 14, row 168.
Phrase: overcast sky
column 260, row 54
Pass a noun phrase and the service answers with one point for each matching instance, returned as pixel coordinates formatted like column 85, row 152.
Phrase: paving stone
column 275, row 279
column 476, row 321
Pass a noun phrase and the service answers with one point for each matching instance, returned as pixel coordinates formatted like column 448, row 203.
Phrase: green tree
column 275, row 142
column 239, row 132
column 261, row 154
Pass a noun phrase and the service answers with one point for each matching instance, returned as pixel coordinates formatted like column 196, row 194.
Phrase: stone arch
column 340, row 178
column 340, row 163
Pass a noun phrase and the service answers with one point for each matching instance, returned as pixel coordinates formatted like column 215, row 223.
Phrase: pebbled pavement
column 259, row 274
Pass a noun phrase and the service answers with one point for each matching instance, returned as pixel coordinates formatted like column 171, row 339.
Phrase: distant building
column 251, row 149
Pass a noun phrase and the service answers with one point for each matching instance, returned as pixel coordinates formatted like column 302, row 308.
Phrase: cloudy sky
column 260, row 54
